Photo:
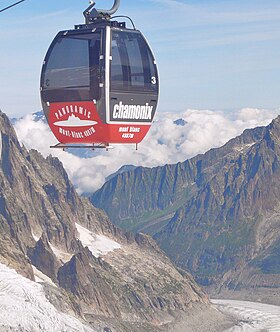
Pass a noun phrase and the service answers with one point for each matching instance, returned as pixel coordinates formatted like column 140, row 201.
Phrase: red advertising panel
column 79, row 123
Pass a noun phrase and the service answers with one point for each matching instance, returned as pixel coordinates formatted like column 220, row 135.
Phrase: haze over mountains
column 216, row 214
column 173, row 137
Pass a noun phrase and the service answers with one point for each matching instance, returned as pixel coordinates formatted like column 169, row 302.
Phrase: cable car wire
column 14, row 4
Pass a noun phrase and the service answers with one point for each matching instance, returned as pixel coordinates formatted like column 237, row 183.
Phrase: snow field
column 98, row 244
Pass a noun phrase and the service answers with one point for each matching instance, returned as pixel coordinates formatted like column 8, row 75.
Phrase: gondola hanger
column 92, row 13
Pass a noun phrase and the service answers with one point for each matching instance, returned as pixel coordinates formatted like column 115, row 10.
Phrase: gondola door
column 133, row 86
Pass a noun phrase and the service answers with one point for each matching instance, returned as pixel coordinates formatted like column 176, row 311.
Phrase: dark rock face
column 39, row 210
column 216, row 214
column 83, row 277
column 43, row 258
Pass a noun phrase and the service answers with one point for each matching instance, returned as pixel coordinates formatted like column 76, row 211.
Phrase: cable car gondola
column 99, row 83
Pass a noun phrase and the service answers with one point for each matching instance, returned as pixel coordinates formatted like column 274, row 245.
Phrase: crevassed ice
column 253, row 316
column 23, row 305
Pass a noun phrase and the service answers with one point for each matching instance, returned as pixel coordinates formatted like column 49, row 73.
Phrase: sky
column 212, row 54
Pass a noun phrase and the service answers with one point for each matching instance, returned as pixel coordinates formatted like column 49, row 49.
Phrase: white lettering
column 115, row 112
column 72, row 109
column 123, row 129
column 132, row 112
column 134, row 130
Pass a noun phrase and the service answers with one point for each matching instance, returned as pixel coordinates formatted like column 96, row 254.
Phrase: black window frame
column 146, row 56
column 75, row 92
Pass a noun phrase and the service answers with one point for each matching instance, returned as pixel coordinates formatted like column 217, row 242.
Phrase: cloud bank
column 173, row 137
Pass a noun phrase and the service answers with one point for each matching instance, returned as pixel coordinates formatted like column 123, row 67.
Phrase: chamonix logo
column 133, row 112
column 75, row 121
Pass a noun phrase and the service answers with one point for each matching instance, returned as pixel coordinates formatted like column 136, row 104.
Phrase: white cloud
column 166, row 142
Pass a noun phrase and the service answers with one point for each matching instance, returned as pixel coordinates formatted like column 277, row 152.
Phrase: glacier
column 252, row 316
column 24, row 307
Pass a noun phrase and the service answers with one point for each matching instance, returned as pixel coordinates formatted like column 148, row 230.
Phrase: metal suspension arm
column 92, row 13
column 111, row 11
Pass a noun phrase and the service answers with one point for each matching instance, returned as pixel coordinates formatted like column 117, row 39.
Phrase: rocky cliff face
column 139, row 198
column 216, row 214
column 90, row 267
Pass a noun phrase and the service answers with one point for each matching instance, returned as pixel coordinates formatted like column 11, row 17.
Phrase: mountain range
column 65, row 267
column 216, row 215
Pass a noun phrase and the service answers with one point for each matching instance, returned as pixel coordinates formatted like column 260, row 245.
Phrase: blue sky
column 212, row 54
